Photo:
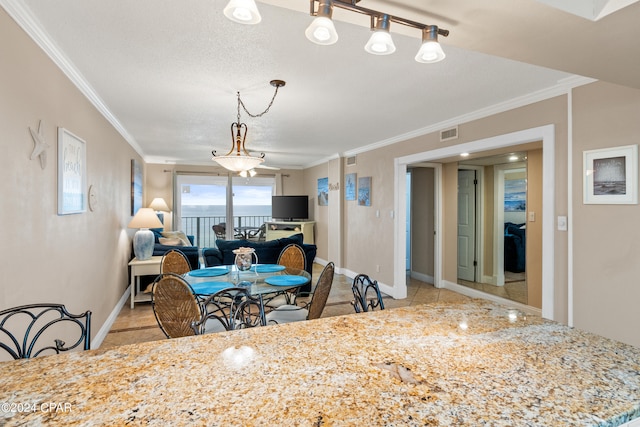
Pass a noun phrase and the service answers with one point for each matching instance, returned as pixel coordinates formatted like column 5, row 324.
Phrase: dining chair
column 366, row 294
column 291, row 256
column 220, row 231
column 174, row 261
column 229, row 309
column 313, row 309
column 175, row 305
column 26, row 331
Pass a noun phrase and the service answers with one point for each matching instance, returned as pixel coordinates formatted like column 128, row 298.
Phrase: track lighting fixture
column 322, row 31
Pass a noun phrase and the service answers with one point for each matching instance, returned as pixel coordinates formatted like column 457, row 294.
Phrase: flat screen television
column 289, row 208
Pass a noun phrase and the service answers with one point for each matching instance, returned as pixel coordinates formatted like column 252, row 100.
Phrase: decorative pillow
column 170, row 241
column 177, row 235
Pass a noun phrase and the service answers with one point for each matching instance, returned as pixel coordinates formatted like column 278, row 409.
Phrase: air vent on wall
column 351, row 160
column 447, row 134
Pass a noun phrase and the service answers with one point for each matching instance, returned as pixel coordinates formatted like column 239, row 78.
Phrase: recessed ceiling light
column 464, row 154
column 513, row 158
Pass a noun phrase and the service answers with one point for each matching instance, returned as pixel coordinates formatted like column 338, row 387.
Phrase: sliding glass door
column 236, row 206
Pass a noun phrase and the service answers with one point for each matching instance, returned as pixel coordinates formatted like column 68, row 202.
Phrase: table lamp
column 160, row 206
column 144, row 240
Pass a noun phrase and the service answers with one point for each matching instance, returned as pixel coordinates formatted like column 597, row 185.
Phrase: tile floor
column 139, row 324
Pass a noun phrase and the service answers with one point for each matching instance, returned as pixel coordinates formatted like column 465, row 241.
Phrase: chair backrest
column 220, row 230
column 29, row 330
column 175, row 305
column 366, row 294
column 174, row 261
column 293, row 256
column 229, row 309
column 321, row 292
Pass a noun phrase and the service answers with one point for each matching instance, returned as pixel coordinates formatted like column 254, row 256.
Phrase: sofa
column 267, row 251
column 514, row 247
column 166, row 241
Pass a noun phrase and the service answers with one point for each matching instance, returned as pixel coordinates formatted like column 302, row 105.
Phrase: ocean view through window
column 205, row 201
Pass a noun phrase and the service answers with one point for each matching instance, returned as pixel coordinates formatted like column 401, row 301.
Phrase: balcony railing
column 201, row 227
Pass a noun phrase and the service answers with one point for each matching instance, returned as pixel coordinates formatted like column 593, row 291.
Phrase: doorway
column 444, row 276
column 496, row 263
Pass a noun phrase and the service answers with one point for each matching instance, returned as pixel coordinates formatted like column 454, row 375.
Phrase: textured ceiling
column 167, row 72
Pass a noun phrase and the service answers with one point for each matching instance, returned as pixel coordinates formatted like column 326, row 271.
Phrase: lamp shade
column 430, row 51
column 242, row 11
column 145, row 218
column 380, row 43
column 322, row 31
column 158, row 204
column 238, row 163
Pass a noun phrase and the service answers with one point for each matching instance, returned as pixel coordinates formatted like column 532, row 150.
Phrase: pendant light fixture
column 238, row 158
column 380, row 42
column 430, row 51
column 242, row 12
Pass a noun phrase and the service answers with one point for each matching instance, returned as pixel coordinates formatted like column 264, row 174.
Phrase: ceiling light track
column 323, row 32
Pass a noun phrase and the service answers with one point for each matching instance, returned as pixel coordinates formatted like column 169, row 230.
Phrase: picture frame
column 72, row 173
column 323, row 191
column 610, row 175
column 364, row 191
column 350, row 186
column 136, row 186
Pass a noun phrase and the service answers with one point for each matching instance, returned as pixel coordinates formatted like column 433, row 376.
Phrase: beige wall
column 606, row 238
column 79, row 260
column 422, row 221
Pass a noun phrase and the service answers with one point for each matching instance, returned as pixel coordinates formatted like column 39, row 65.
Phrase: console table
column 280, row 229
column 148, row 267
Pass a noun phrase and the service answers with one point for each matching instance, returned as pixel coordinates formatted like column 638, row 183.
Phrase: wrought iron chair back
column 175, row 305
column 229, row 309
column 174, row 261
column 366, row 294
column 21, row 329
column 321, row 292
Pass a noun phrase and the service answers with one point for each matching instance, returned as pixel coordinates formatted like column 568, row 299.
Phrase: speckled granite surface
column 465, row 364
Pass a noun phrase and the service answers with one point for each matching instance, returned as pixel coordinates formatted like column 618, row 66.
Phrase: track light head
column 380, row 42
column 430, row 51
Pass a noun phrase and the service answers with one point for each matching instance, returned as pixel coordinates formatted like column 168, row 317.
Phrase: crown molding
column 23, row 17
column 563, row 87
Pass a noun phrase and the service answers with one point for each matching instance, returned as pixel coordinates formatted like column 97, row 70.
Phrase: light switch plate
column 562, row 223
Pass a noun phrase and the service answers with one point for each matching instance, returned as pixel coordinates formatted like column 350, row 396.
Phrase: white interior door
column 466, row 225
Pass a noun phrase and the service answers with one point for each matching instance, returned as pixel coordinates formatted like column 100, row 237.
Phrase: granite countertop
column 472, row 364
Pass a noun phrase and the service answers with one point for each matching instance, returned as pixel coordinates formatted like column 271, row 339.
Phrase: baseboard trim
column 106, row 326
column 473, row 293
column 422, row 277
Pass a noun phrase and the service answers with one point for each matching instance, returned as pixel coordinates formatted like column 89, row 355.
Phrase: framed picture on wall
column 72, row 173
column 136, row 186
column 350, row 186
column 611, row 175
column 364, row 191
column 323, row 191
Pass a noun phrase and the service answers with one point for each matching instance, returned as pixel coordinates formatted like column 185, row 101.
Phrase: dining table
column 261, row 281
